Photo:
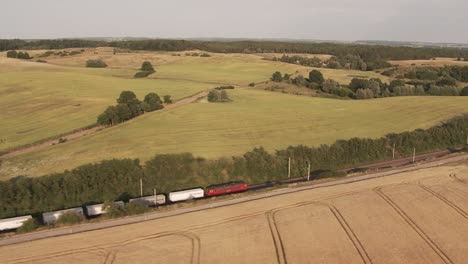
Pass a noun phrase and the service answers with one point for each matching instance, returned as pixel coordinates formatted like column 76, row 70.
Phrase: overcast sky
column 406, row 20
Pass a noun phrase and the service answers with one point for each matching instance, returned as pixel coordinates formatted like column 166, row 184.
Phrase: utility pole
column 308, row 171
column 155, row 198
column 141, row 187
column 414, row 154
column 393, row 151
column 289, row 168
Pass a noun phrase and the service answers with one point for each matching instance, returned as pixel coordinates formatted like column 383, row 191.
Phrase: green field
column 254, row 118
column 40, row 100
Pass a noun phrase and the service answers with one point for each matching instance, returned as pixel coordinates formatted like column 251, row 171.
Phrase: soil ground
column 412, row 217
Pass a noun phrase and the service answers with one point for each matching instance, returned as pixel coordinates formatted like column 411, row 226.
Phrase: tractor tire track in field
column 454, row 176
column 278, row 243
column 445, row 200
column 194, row 240
column 351, row 235
column 445, row 258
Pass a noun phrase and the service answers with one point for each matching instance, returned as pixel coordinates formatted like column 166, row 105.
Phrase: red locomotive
column 225, row 188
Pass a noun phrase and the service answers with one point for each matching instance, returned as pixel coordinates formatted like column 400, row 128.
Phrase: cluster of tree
column 145, row 70
column 218, row 96
column 368, row 53
column 97, row 63
column 225, row 87
column 355, row 62
column 456, row 73
column 63, row 53
column 119, row 179
column 305, row 61
column 360, row 88
column 348, row 61
column 128, row 107
column 18, row 55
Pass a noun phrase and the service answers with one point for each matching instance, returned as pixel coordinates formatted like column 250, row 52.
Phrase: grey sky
column 411, row 20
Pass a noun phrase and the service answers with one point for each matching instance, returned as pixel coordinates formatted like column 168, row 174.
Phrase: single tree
column 316, row 77
column 153, row 102
column 147, row 67
column 126, row 97
column 12, row 54
column 277, row 77
column 167, row 99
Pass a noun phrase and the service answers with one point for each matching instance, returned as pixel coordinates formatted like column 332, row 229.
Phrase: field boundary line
column 158, row 215
column 413, row 225
column 445, row 200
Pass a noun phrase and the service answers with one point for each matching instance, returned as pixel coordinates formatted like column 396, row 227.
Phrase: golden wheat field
column 412, row 217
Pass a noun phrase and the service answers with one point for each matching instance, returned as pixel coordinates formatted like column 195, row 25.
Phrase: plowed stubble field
column 413, row 217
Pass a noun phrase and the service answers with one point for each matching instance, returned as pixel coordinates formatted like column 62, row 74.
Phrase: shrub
column 12, row 54
column 147, row 66
column 142, row 74
column 218, row 96
column 464, row 92
column 277, row 77
column 113, row 210
column 23, row 55
column 167, row 99
column 62, row 140
column 316, row 77
column 330, row 174
column 252, row 84
column 69, row 218
column 41, row 61
column 28, row 226
column 205, row 55
column 135, row 208
column 98, row 63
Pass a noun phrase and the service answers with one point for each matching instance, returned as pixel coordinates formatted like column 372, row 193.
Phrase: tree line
column 112, row 180
column 349, row 61
column 366, row 52
column 360, row 88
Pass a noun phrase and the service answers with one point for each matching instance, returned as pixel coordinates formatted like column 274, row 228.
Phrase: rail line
column 414, row 226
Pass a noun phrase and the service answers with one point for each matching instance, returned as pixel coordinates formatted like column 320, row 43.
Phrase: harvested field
column 438, row 62
column 383, row 220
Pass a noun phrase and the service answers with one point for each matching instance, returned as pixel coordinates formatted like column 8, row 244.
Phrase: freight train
column 95, row 210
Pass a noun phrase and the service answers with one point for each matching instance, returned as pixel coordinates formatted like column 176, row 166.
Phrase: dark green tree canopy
column 153, row 102
column 126, row 97
column 316, row 76
column 464, row 92
column 277, row 77
column 147, row 67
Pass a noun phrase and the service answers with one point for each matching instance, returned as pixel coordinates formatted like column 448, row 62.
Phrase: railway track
column 152, row 216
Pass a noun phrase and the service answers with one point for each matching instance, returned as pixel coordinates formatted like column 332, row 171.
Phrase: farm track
column 445, row 258
column 445, row 200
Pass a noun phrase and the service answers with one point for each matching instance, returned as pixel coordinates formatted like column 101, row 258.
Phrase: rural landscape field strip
column 278, row 227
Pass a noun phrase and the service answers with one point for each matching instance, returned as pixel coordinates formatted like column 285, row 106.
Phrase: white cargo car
column 149, row 200
column 51, row 217
column 186, row 195
column 96, row 209
column 13, row 223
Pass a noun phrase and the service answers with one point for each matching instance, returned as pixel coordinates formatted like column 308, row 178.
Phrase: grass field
column 412, row 217
column 254, row 118
column 41, row 100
